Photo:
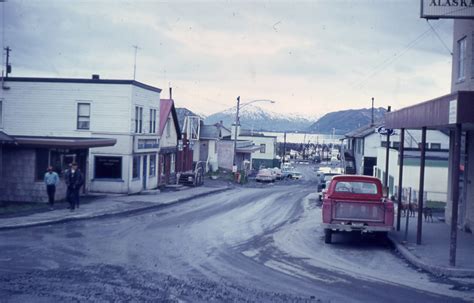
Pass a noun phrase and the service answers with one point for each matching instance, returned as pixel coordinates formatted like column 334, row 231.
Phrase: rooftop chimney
column 171, row 93
column 95, row 77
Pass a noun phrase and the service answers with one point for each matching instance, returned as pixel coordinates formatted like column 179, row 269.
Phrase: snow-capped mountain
column 256, row 118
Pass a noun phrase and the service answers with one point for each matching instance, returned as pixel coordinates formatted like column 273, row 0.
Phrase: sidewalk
column 433, row 253
column 110, row 206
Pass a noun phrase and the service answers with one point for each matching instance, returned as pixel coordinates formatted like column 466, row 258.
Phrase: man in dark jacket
column 74, row 181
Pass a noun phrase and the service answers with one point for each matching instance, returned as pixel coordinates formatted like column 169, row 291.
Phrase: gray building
column 455, row 113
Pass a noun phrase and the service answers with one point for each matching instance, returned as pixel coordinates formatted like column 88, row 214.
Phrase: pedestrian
column 67, row 173
column 51, row 179
column 74, row 181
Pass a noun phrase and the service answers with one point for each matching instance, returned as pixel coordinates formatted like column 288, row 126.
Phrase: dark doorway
column 369, row 163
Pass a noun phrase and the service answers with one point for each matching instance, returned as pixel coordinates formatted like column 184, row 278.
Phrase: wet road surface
column 260, row 244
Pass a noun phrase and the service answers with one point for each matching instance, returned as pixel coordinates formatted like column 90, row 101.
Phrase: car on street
column 265, row 175
column 296, row 175
column 325, row 178
column 278, row 173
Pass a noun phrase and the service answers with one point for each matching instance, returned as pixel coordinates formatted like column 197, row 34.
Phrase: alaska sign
column 436, row 9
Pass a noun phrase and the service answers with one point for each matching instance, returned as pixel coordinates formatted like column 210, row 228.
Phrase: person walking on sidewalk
column 51, row 179
column 74, row 181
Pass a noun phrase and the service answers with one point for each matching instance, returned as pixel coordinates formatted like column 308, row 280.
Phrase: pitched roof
column 363, row 131
column 209, row 132
column 167, row 107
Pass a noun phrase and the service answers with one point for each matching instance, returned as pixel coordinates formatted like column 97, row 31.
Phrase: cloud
column 311, row 57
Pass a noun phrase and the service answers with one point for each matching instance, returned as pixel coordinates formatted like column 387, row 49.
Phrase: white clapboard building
column 109, row 127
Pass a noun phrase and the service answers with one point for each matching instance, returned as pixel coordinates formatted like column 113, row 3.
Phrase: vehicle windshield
column 356, row 187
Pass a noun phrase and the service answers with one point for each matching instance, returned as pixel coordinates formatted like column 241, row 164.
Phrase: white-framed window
column 152, row 168
column 173, row 163
column 136, row 167
column 138, row 119
column 462, row 45
column 1, row 113
column 262, row 148
column 152, row 121
column 83, row 115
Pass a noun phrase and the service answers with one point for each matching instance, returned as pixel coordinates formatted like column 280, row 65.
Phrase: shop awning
column 6, row 139
column 62, row 142
column 445, row 111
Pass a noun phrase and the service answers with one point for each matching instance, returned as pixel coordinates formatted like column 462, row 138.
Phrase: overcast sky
column 311, row 57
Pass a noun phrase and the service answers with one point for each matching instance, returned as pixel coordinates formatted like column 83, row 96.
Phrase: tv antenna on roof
column 136, row 47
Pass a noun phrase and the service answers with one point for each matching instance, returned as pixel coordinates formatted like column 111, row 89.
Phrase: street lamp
column 237, row 123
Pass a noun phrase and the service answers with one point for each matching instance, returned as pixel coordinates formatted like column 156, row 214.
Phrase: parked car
column 356, row 203
column 296, row 175
column 265, row 175
column 278, row 173
column 325, row 178
column 323, row 191
column 194, row 177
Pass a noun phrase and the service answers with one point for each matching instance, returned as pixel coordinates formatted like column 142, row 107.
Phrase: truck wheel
column 327, row 236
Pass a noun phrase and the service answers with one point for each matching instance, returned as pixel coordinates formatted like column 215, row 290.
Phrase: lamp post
column 239, row 106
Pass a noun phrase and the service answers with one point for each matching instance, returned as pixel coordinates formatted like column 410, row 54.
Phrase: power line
column 439, row 38
column 387, row 62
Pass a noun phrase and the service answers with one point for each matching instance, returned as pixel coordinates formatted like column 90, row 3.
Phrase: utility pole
column 135, row 61
column 372, row 121
column 8, row 67
column 284, row 147
column 387, row 154
column 235, row 131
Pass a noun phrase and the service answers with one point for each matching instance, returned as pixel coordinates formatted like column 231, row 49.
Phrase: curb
column 433, row 269
column 114, row 214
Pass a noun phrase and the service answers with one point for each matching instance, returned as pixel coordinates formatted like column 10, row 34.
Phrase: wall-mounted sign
column 453, row 111
column 147, row 143
column 385, row 131
column 436, row 9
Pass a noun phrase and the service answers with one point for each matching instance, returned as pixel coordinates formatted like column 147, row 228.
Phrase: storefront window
column 108, row 168
column 152, row 169
column 136, row 167
column 42, row 163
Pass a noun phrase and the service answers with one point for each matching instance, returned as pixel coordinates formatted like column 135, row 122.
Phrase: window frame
column 108, row 178
column 172, row 163
column 263, row 148
column 78, row 116
column 138, row 119
column 462, row 56
column 152, row 123
column 136, row 167
column 152, row 166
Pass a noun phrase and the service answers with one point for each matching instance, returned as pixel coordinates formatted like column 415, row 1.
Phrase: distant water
column 305, row 138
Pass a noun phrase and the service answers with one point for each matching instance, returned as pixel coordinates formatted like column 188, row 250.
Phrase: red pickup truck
column 355, row 203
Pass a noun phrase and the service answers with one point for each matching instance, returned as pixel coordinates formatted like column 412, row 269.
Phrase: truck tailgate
column 358, row 211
